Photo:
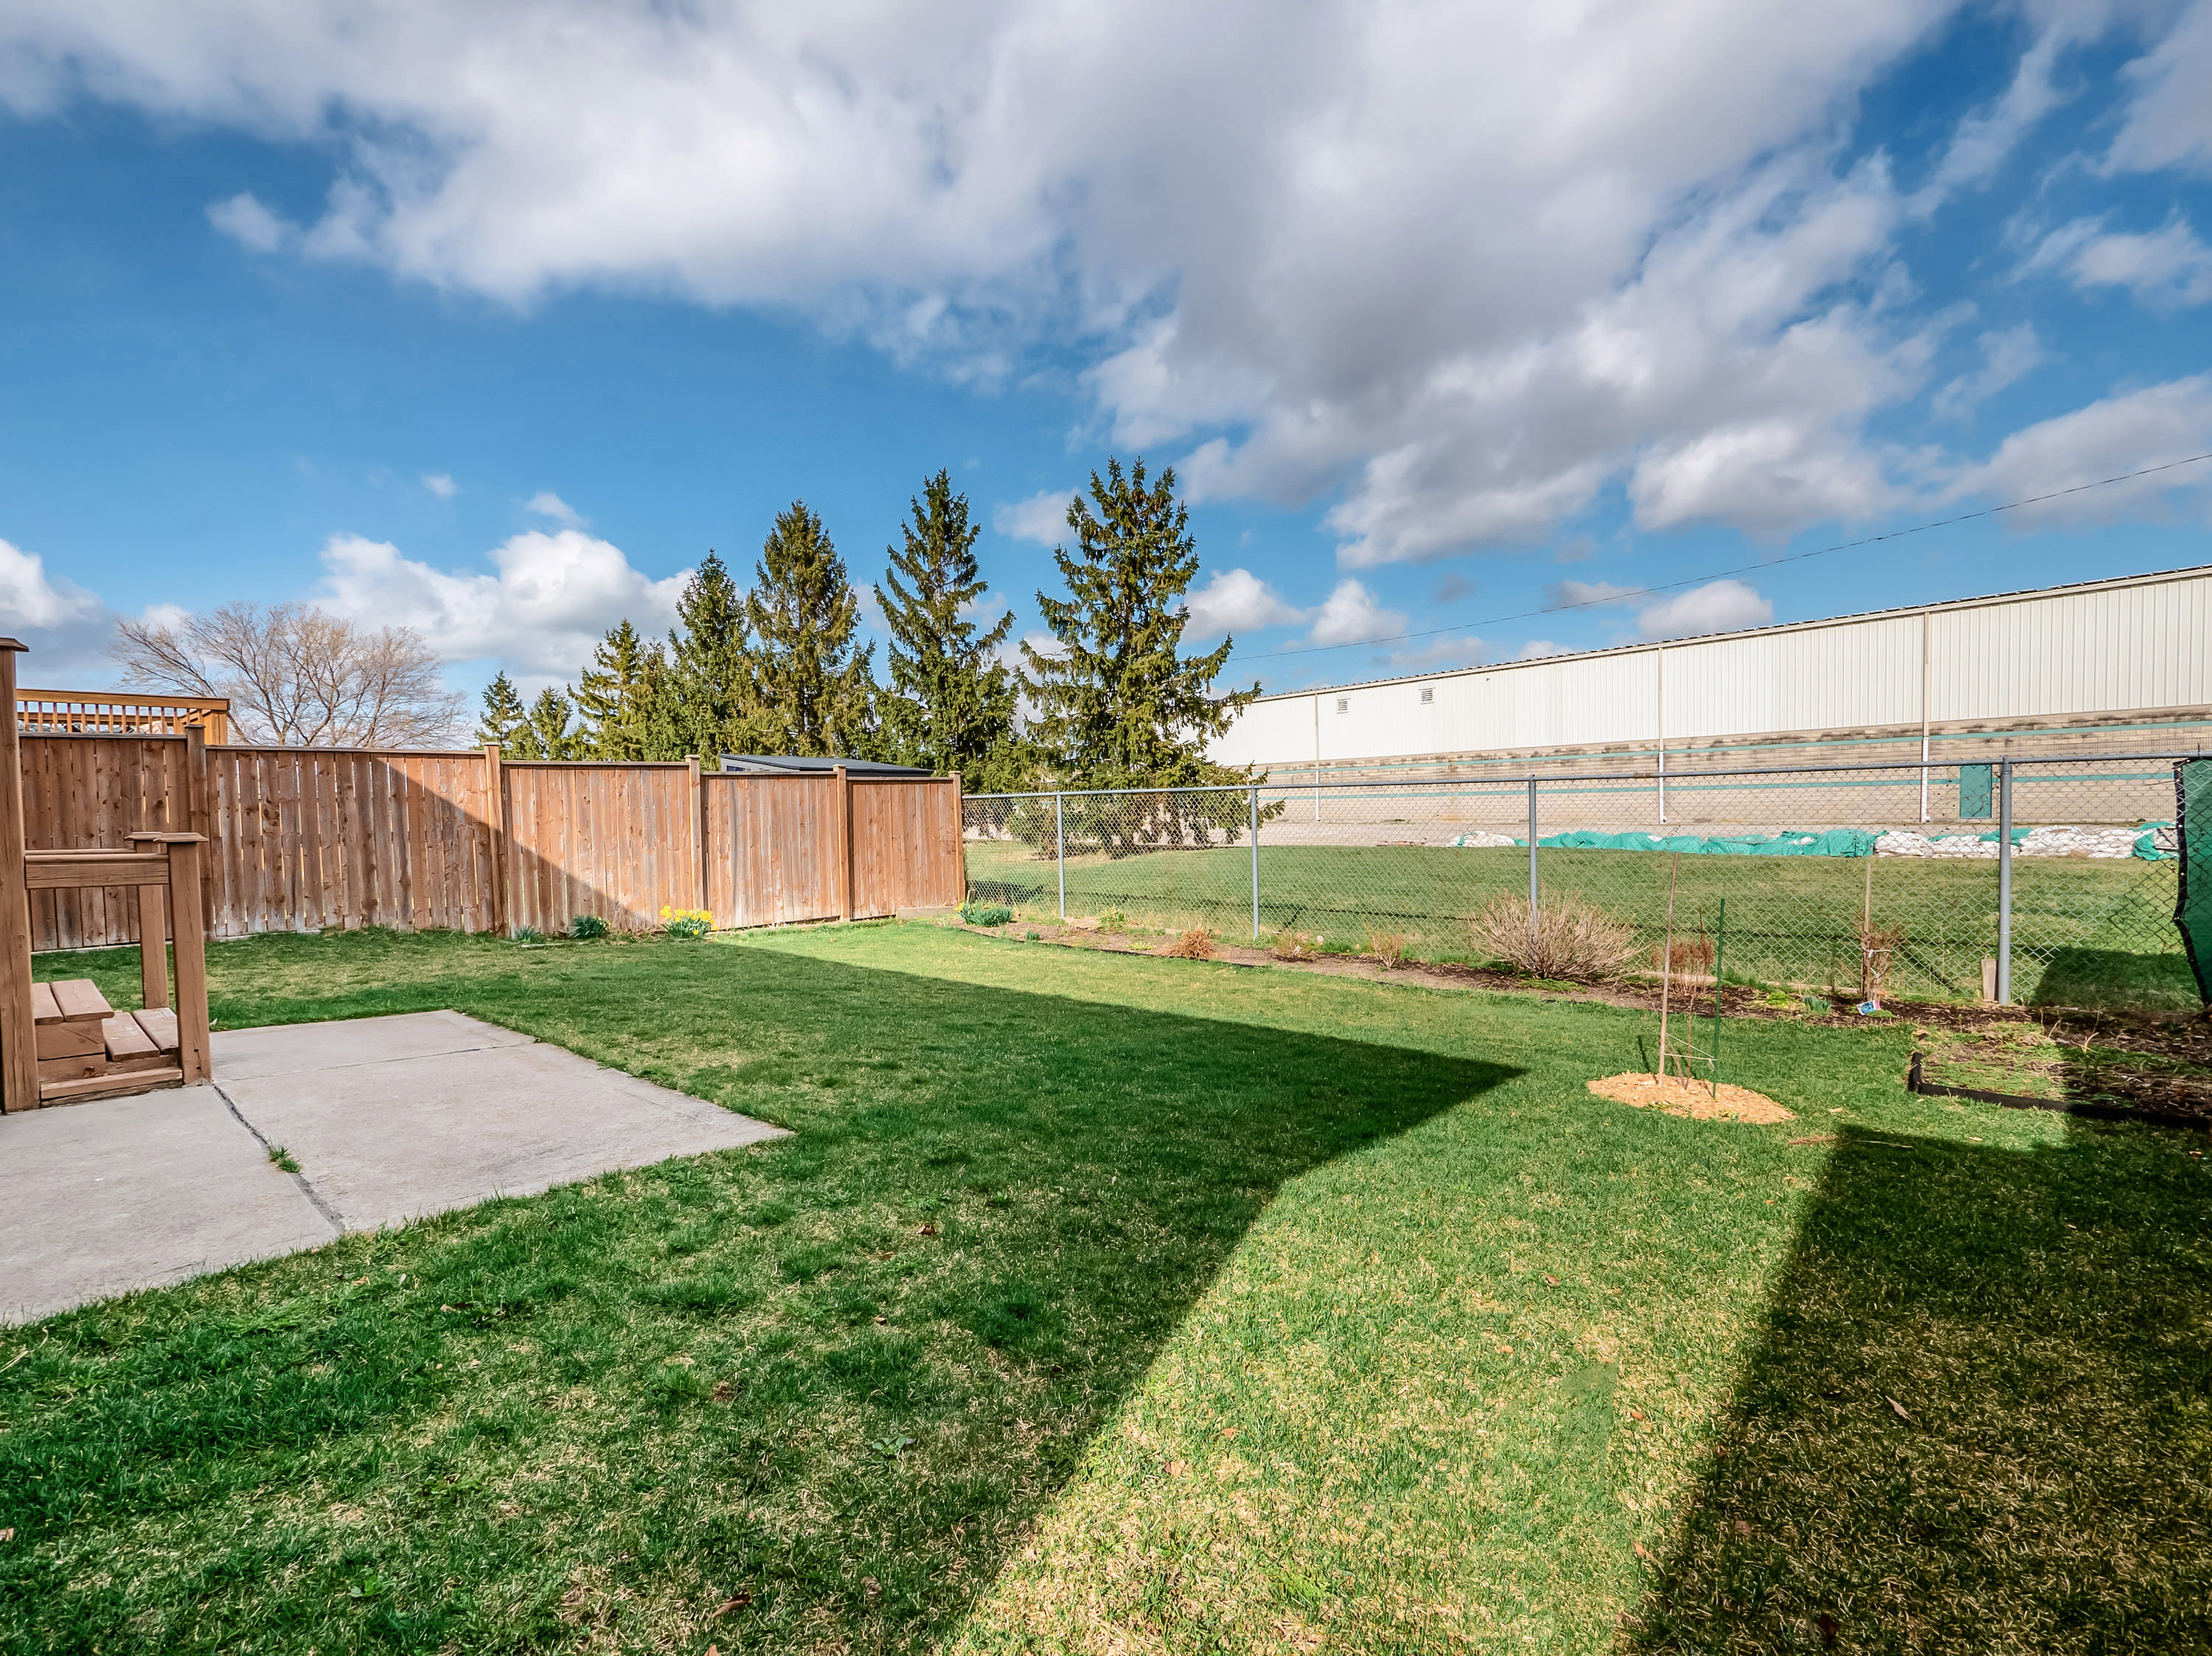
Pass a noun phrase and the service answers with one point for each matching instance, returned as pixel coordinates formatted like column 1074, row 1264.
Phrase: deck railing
column 119, row 712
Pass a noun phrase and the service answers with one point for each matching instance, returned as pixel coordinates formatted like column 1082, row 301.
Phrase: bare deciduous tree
column 298, row 676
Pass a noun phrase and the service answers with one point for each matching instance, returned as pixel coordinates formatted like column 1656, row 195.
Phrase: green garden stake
column 1720, row 954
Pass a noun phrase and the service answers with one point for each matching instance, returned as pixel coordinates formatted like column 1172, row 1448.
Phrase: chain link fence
column 2048, row 881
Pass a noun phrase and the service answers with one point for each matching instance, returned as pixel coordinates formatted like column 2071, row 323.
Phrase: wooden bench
column 84, row 1048
column 87, row 1049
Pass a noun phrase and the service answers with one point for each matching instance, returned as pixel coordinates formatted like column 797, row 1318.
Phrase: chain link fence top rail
column 2080, row 912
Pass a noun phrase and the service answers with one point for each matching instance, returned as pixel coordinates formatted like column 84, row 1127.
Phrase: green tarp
column 1976, row 790
column 2193, row 913
column 1833, row 842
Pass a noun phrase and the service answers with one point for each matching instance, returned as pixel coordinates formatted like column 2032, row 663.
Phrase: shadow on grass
column 1978, row 1417
column 2116, row 980
column 823, row 1385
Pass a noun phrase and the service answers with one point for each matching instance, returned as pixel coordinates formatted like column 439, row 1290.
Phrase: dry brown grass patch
column 1195, row 944
column 1695, row 1099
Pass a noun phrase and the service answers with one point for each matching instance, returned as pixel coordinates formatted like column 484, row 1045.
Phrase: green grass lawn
column 2085, row 933
column 1108, row 1303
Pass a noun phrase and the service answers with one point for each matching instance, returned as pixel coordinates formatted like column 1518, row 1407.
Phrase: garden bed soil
column 2149, row 1066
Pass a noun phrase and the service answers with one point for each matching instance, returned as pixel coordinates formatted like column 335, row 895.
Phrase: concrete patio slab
column 390, row 1119
column 99, row 1199
column 455, row 1116
column 280, row 1049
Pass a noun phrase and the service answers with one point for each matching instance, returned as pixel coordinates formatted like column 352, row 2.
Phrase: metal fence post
column 2004, row 883
column 1532, row 864
column 1256, row 864
column 1060, row 842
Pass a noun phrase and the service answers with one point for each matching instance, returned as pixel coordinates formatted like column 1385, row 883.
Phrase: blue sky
column 491, row 321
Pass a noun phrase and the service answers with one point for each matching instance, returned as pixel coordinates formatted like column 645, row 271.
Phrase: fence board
column 906, row 846
column 304, row 838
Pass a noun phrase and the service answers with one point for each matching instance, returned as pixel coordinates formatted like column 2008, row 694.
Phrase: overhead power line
column 1744, row 569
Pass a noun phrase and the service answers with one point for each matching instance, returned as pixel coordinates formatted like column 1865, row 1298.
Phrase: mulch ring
column 1698, row 1099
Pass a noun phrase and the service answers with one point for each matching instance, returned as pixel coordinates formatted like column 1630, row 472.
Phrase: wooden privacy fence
column 300, row 838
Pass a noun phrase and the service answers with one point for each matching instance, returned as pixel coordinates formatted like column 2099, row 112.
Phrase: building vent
column 1344, row 703
column 1428, row 694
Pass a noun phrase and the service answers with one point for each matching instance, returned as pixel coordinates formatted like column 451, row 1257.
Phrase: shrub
column 986, row 914
column 1878, row 947
column 585, row 927
column 1693, row 956
column 686, row 922
column 1573, row 940
column 1290, row 945
column 528, row 934
column 1388, row 948
column 1195, row 944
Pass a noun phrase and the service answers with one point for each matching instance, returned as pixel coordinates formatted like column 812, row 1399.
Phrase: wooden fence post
column 200, row 817
column 960, row 837
column 698, row 833
column 844, row 845
column 19, row 1040
column 495, row 821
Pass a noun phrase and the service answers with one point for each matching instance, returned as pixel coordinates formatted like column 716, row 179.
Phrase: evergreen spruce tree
column 1120, row 705
column 815, row 695
column 712, row 707
column 548, row 732
column 503, row 715
column 658, row 723
column 951, row 703
column 609, row 695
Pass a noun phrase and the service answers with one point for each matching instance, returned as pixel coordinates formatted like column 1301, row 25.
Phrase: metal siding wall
column 2099, row 651
column 1832, row 677
column 2082, row 653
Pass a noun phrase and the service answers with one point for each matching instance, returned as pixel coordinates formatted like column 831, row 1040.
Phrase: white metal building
column 2103, row 663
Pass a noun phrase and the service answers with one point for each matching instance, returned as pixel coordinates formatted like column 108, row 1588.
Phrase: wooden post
column 192, row 1054
column 844, row 848
column 200, row 817
column 153, row 947
column 960, row 837
column 19, row 1047
column 495, row 820
column 698, row 833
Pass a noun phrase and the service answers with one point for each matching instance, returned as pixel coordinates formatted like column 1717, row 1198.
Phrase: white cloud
column 2166, row 270
column 1459, row 268
column 2108, row 439
column 2008, row 356
column 1237, row 601
column 546, row 504
column 1720, row 606
column 1042, row 519
column 440, row 484
column 2168, row 125
column 66, row 629
column 551, row 599
column 246, row 220
column 1351, row 614
column 1581, row 594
